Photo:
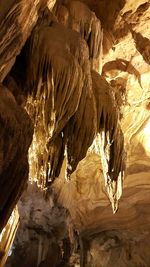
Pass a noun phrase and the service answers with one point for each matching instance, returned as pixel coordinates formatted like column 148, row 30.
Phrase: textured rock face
column 104, row 239
column 42, row 231
column 17, row 19
column 89, row 206
column 127, row 70
column 16, row 136
column 67, row 101
column 7, row 236
column 122, row 249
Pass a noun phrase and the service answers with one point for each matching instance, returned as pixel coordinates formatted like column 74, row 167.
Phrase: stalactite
column 77, row 16
column 67, row 102
column 112, row 140
column 56, row 151
column 82, row 129
column 58, row 80
column 52, row 73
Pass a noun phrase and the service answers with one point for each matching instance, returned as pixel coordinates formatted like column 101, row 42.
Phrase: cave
column 75, row 133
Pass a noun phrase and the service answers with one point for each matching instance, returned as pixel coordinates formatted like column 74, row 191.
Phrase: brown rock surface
column 104, row 239
column 16, row 136
column 17, row 19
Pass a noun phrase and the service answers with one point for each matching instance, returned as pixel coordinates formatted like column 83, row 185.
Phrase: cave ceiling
column 75, row 93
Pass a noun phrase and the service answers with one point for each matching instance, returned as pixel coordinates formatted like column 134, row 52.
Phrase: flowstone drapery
column 69, row 103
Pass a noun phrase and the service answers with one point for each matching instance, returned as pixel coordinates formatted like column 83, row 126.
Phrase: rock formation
column 75, row 88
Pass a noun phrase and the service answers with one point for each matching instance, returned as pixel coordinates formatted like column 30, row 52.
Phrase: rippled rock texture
column 97, row 53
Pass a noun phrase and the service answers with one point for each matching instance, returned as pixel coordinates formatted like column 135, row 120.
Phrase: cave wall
column 42, row 230
column 17, row 19
column 104, row 239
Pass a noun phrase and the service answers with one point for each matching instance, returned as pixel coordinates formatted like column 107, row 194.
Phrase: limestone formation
column 77, row 16
column 62, row 103
column 74, row 103
column 16, row 137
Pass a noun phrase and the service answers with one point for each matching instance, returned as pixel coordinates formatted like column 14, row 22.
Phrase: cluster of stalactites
column 78, row 17
column 60, row 99
column 69, row 104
